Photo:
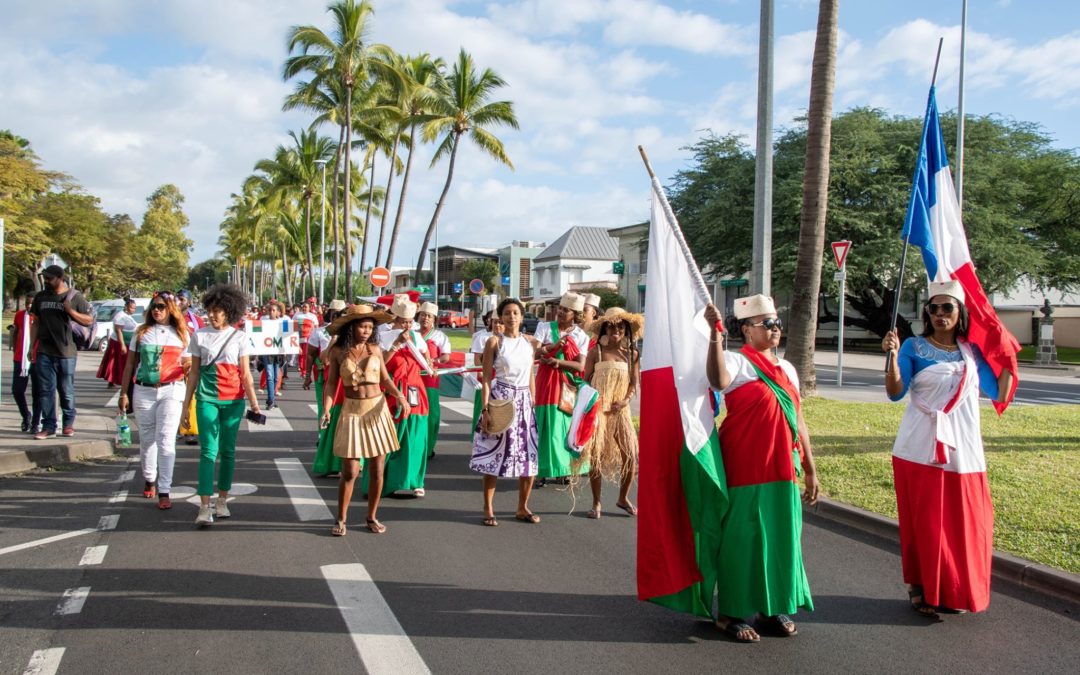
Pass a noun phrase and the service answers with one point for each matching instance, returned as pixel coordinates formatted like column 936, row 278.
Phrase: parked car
column 529, row 323
column 451, row 319
column 103, row 315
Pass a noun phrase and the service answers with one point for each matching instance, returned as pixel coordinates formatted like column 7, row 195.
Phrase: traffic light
column 618, row 267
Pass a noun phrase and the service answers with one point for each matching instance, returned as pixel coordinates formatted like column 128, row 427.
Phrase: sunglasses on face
column 946, row 307
column 158, row 307
column 770, row 324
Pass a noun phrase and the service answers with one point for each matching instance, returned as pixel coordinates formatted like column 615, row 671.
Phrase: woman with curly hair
column 365, row 429
column 613, row 369
column 155, row 359
column 220, row 377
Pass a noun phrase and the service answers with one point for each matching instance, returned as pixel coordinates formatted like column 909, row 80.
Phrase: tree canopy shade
column 1021, row 205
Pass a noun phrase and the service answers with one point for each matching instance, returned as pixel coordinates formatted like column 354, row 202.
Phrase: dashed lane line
column 93, row 555
column 73, row 600
column 119, row 497
column 45, row 661
column 46, row 540
column 108, row 522
column 305, row 498
column 126, row 476
column 114, row 402
column 379, row 639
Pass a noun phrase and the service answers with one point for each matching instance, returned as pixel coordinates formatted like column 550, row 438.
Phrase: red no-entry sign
column 380, row 277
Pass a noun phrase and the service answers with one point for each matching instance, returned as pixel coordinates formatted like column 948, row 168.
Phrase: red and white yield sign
column 380, row 277
column 840, row 250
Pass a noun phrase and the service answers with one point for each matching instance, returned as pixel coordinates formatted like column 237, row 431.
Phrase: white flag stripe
column 676, row 334
column 947, row 230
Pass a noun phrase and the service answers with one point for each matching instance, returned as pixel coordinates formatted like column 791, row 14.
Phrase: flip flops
column 339, row 529
column 375, row 527
column 780, row 625
column 629, row 508
column 531, row 518
column 490, row 521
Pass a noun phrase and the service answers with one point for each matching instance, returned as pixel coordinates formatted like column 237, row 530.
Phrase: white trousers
column 157, row 412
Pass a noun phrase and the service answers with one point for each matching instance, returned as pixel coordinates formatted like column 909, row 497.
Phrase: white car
column 104, row 313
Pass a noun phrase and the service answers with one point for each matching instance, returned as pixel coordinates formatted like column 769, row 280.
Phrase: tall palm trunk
column 287, row 290
column 401, row 199
column 438, row 208
column 804, row 305
column 307, row 229
column 367, row 217
column 386, row 201
column 334, row 208
column 346, row 215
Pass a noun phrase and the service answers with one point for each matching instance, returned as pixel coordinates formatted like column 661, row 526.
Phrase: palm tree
column 804, row 305
column 343, row 56
column 462, row 105
column 416, row 78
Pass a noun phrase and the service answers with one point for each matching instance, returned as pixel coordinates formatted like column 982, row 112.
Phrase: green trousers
column 219, row 422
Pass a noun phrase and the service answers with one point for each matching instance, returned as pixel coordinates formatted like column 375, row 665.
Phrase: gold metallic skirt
column 365, row 429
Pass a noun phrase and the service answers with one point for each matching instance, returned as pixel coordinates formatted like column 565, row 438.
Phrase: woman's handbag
column 500, row 414
column 567, row 395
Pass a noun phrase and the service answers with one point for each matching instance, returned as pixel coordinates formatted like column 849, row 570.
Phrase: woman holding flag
column 438, row 346
column 765, row 447
column 939, row 468
column 407, row 355
column 562, row 351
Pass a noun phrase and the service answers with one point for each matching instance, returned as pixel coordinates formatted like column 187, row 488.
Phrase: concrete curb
column 51, row 454
column 1033, row 576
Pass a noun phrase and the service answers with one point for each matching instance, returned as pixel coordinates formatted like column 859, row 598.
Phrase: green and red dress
column 406, row 469
column 326, row 462
column 760, row 563
column 437, row 345
column 552, row 424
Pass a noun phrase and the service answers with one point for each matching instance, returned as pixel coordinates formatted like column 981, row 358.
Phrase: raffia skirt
column 365, row 429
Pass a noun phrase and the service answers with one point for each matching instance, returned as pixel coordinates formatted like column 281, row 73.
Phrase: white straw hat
column 753, row 305
column 572, row 301
column 593, row 299
column 951, row 288
column 403, row 308
column 429, row 308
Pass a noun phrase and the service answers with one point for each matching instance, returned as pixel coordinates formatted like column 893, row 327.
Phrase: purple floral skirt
column 511, row 454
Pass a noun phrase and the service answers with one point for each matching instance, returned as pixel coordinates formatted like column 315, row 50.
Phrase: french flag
column 933, row 224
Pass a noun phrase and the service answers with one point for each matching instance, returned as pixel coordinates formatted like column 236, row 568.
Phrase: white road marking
column 108, row 522
column 314, row 407
column 187, row 493
column 114, row 402
column 1063, row 400
column 45, row 661
column 93, row 555
column 126, row 476
column 306, row 499
column 275, row 421
column 46, row 540
column 119, row 497
column 460, row 407
column 73, row 601
column 379, row 639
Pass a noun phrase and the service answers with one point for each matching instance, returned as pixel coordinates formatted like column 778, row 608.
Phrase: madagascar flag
column 220, row 382
column 255, row 326
column 682, row 487
column 159, row 364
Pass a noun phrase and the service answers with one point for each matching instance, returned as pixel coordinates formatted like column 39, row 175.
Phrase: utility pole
column 761, row 269
column 322, row 236
column 960, row 112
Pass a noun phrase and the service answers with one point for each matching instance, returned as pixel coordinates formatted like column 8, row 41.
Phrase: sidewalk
column 94, row 433
column 876, row 362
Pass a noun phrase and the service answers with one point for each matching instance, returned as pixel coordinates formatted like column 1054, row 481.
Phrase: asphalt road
column 265, row 590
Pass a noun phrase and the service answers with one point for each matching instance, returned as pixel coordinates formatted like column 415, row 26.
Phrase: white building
column 580, row 258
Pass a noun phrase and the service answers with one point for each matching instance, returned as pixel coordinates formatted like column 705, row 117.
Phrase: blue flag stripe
column 932, row 159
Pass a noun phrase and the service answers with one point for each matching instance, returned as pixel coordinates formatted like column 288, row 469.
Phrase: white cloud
column 637, row 22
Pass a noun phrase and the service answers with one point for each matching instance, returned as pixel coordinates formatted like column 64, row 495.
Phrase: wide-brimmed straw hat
column 618, row 315
column 501, row 414
column 358, row 312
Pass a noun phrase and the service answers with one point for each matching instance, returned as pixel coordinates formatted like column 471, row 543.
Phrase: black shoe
column 540, row 483
column 25, row 426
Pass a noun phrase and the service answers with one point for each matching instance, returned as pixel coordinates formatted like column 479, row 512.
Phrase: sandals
column 164, row 503
column 375, row 527
column 629, row 508
column 735, row 629
column 338, row 530
column 780, row 625
column 920, row 605
column 149, row 490
column 490, row 521
column 531, row 518
column 593, row 514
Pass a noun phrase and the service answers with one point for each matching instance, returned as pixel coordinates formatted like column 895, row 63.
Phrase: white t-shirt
column 439, row 339
column 219, row 381
column 580, row 337
column 124, row 321
column 742, row 371
column 319, row 340
column 479, row 339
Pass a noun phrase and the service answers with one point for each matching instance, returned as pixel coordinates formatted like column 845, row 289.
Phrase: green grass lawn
column 460, row 339
column 1065, row 354
column 1033, row 458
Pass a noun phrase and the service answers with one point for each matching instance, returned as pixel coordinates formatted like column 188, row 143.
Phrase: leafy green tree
column 1021, row 212
column 26, row 239
column 463, row 105
column 207, row 273
column 77, row 231
column 484, row 270
column 608, row 297
column 161, row 238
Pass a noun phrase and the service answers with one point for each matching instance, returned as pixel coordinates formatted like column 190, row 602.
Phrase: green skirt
column 325, row 460
column 434, row 418
column 406, row 468
column 552, row 428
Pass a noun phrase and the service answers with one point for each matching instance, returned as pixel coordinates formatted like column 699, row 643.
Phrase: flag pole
column 695, row 273
column 907, row 238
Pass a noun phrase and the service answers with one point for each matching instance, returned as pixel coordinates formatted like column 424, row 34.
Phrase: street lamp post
column 322, row 235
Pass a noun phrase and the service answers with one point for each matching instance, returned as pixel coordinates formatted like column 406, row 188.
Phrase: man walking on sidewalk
column 54, row 369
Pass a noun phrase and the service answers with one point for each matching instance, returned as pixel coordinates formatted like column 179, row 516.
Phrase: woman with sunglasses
column 219, row 379
column 765, row 447
column 155, row 359
column 939, row 468
column 116, row 353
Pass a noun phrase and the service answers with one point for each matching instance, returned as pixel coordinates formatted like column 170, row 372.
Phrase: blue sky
column 126, row 95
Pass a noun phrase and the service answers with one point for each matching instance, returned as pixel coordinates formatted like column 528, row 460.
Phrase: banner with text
column 273, row 336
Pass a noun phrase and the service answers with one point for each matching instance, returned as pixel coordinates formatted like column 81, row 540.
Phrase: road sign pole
column 840, row 336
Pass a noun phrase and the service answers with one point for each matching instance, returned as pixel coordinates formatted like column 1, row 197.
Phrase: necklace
column 944, row 347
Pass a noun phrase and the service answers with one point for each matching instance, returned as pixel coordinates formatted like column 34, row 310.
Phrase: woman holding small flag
column 613, row 369
column 438, row 346
column 407, row 355
column 562, row 351
column 939, row 468
column 765, row 448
